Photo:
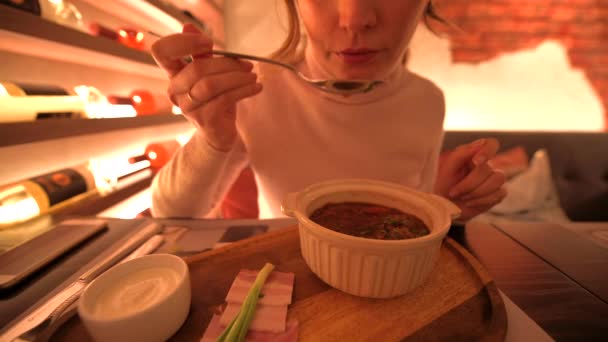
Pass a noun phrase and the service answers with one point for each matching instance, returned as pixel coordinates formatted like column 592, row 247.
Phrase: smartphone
column 18, row 263
column 236, row 233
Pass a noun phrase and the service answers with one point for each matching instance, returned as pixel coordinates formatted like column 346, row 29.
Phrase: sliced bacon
column 269, row 322
column 214, row 330
column 277, row 289
column 267, row 318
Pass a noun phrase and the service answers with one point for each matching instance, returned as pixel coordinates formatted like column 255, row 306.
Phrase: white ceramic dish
column 369, row 267
column 144, row 299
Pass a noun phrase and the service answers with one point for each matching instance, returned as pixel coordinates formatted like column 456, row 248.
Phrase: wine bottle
column 97, row 29
column 45, row 193
column 62, row 12
column 48, row 102
column 125, row 35
column 131, row 38
column 23, row 89
column 31, row 6
column 158, row 154
column 98, row 107
column 144, row 102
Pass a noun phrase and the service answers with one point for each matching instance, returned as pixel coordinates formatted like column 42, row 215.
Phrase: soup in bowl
column 370, row 238
column 370, row 221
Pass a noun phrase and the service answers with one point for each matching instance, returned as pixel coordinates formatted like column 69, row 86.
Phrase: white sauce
column 135, row 292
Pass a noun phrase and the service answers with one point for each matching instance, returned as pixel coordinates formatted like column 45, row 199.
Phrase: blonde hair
column 290, row 51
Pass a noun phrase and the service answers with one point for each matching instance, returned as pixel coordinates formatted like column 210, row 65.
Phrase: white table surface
column 520, row 326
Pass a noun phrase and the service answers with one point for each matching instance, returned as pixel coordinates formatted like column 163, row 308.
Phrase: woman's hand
column 465, row 177
column 207, row 89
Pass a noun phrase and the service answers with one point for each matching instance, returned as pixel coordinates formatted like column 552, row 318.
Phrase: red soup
column 369, row 221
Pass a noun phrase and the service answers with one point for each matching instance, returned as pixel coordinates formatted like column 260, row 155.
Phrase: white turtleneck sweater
column 293, row 135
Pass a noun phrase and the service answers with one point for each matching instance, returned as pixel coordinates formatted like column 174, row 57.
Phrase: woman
column 294, row 135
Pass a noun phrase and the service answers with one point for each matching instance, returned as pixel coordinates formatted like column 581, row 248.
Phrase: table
column 556, row 302
column 559, row 305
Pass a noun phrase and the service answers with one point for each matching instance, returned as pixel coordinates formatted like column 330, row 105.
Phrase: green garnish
column 238, row 327
column 392, row 222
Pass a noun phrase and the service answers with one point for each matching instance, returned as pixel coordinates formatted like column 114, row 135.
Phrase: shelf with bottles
column 160, row 16
column 211, row 12
column 110, row 187
column 26, row 34
column 35, row 112
column 35, row 102
column 25, row 207
column 16, row 133
column 83, row 31
column 36, row 147
column 85, row 189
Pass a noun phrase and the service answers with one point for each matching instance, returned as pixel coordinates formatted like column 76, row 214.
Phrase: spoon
column 343, row 87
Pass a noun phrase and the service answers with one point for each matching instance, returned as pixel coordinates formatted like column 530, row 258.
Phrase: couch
column 579, row 165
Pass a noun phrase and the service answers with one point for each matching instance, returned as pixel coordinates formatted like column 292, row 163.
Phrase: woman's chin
column 359, row 75
column 370, row 72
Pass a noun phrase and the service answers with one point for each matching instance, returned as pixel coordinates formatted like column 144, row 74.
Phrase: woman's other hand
column 465, row 177
column 207, row 89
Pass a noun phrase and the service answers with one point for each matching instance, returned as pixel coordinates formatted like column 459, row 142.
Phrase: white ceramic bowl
column 369, row 267
column 144, row 299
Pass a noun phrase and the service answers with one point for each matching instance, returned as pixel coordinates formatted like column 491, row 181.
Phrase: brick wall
column 492, row 27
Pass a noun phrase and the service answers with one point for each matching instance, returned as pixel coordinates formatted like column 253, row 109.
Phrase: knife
column 52, row 308
column 146, row 248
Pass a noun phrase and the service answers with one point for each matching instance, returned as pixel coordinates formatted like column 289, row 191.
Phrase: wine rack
column 27, row 34
column 39, row 51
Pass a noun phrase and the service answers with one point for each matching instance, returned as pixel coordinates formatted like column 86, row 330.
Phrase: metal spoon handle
column 254, row 58
column 342, row 87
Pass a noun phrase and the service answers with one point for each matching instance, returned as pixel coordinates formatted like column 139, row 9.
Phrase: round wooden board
column 458, row 302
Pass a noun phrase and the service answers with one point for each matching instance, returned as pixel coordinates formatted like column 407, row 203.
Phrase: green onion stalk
column 236, row 331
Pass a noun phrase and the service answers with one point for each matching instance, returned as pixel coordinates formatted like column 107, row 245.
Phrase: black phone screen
column 236, row 233
column 25, row 259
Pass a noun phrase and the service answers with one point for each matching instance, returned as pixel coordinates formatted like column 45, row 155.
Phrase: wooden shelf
column 34, row 148
column 37, row 50
column 151, row 14
column 16, row 133
column 25, row 33
column 98, row 203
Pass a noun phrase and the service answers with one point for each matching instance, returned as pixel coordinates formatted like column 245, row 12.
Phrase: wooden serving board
column 459, row 301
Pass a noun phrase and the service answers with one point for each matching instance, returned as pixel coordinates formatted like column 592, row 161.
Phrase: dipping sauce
column 369, row 221
column 135, row 292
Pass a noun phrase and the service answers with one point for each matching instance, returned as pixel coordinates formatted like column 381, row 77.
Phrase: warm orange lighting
column 152, row 155
column 129, row 208
column 108, row 170
column 533, row 89
column 131, row 38
column 26, row 108
column 17, row 205
column 25, row 231
column 182, row 139
column 3, row 91
column 176, row 110
column 97, row 105
column 143, row 102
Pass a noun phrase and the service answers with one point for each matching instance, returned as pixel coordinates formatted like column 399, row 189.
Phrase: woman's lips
column 357, row 56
